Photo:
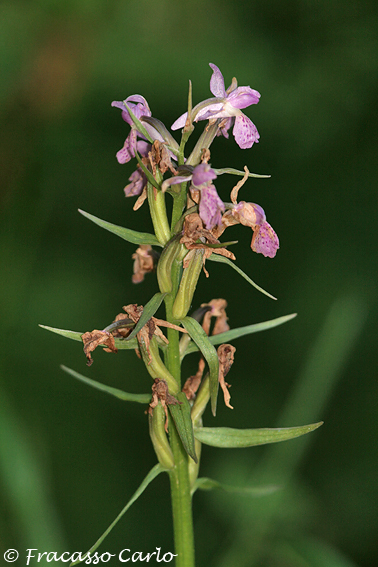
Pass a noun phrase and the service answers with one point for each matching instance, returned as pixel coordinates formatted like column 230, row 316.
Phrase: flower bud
column 159, row 437
column 188, row 285
column 164, row 267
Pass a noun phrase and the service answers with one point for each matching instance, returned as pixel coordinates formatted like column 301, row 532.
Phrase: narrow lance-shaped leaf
column 229, row 438
column 121, row 344
column 127, row 234
column 154, row 472
column 199, row 336
column 210, row 484
column 125, row 396
column 181, row 416
column 149, row 311
column 223, row 260
column 241, row 331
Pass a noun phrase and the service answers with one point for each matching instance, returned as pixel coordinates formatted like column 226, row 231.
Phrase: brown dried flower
column 95, row 338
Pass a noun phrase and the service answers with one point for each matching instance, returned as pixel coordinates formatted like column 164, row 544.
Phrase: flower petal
column 265, row 241
column 180, row 122
column 128, row 151
column 202, row 173
column 243, row 97
column 138, row 181
column 217, row 82
column 211, row 207
column 245, row 132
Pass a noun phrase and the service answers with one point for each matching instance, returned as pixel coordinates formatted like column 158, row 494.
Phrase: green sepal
column 181, row 416
column 121, row 344
column 171, row 143
column 154, row 472
column 210, row 484
column 223, row 260
column 228, row 336
column 228, row 438
column 208, row 351
column 120, row 394
column 127, row 234
column 149, row 311
column 233, row 171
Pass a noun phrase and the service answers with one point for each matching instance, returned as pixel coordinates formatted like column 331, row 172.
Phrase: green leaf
column 223, row 260
column 229, row 438
column 181, row 416
column 121, row 344
column 210, row 484
column 149, row 311
column 221, row 244
column 154, row 472
column 125, row 396
column 127, row 234
column 228, row 336
column 233, row 171
column 208, row 351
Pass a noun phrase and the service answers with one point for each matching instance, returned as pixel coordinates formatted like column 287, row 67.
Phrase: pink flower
column 227, row 105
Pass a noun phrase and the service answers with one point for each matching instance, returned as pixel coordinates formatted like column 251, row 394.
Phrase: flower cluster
column 222, row 111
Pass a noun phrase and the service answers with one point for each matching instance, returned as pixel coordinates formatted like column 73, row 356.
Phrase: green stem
column 179, row 474
column 181, row 504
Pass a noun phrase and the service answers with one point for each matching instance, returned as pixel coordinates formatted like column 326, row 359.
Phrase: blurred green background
column 70, row 457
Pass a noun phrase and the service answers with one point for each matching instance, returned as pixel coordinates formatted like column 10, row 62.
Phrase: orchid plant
column 178, row 251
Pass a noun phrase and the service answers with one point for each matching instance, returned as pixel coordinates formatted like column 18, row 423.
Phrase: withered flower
column 196, row 236
column 95, row 338
column 226, row 359
column 159, row 156
column 217, row 310
column 160, row 392
column 144, row 262
column 193, row 382
column 151, row 328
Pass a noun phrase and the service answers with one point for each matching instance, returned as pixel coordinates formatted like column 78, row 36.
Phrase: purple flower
column 227, row 105
column 139, row 106
column 265, row 240
column 138, row 181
